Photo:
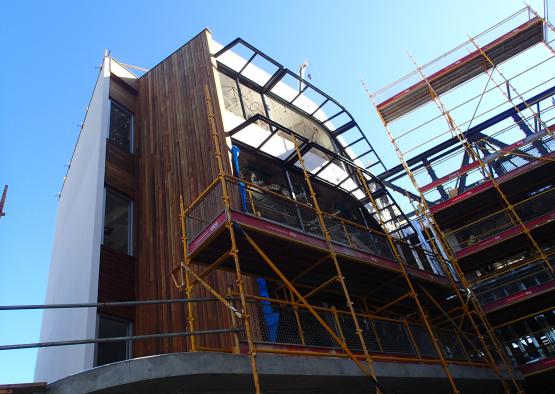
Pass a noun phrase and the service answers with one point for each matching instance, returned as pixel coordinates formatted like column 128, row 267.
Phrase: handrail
column 459, row 47
column 202, row 194
column 382, row 235
column 537, row 270
column 526, row 143
column 508, row 268
column 309, row 207
column 500, row 212
column 403, row 324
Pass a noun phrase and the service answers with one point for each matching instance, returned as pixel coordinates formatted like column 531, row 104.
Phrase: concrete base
column 209, row 372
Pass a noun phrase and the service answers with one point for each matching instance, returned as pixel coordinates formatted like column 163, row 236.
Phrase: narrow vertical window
column 111, row 352
column 118, row 222
column 121, row 127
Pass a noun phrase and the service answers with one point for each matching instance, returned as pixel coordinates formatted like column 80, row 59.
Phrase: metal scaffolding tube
column 233, row 250
column 104, row 304
column 445, row 247
column 188, row 287
column 423, row 315
column 334, row 259
column 370, row 373
column 462, row 138
column 486, row 170
column 117, row 339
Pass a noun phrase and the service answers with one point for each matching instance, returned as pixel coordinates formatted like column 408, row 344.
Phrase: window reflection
column 121, row 127
column 111, row 352
column 117, row 222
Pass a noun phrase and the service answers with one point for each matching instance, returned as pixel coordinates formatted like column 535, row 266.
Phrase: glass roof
column 316, row 117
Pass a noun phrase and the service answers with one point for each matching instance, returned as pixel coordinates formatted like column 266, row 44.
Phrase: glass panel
column 259, row 70
column 117, row 222
column 121, row 127
column 300, row 124
column 236, row 57
column 309, row 101
column 111, row 352
column 231, row 95
column 252, row 101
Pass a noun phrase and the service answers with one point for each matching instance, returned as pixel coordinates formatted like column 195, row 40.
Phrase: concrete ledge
column 210, row 372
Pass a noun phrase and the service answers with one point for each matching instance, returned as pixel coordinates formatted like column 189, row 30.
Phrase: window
column 111, row 352
column 118, row 222
column 121, row 127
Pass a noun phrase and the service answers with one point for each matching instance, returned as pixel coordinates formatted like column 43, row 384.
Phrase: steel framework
column 357, row 331
column 491, row 153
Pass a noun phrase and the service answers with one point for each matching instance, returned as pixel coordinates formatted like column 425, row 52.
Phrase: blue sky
column 50, row 51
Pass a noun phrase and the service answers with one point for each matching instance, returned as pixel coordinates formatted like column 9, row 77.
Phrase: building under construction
column 230, row 220
column 473, row 130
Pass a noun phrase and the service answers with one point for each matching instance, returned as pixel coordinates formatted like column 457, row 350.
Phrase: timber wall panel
column 120, row 169
column 123, row 93
column 116, row 282
column 175, row 156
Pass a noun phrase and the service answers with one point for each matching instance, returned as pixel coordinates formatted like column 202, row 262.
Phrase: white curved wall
column 73, row 275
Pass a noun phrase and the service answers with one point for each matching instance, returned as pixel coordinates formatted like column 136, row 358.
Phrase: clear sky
column 50, row 51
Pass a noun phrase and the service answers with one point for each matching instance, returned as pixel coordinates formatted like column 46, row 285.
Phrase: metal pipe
column 103, row 304
column 370, row 373
column 114, row 339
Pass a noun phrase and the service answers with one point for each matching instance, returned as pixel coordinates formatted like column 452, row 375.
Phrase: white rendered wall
column 74, row 269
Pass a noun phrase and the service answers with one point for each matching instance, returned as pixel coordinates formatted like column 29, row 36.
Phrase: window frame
column 130, row 221
column 128, row 342
column 131, row 149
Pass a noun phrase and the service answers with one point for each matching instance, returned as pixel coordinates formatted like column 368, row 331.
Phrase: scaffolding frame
column 472, row 147
column 184, row 277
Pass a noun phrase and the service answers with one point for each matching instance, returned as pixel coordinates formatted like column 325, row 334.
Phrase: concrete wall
column 73, row 275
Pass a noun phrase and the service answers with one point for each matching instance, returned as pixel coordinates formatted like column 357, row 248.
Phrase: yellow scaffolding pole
column 445, row 245
column 413, row 294
column 187, row 261
column 462, row 301
column 369, row 372
column 506, row 201
column 472, row 154
column 333, row 256
column 234, row 253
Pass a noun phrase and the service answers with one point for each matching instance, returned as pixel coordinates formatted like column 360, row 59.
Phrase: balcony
column 535, row 212
column 293, row 231
column 518, row 167
column 515, row 286
column 531, row 347
column 286, row 327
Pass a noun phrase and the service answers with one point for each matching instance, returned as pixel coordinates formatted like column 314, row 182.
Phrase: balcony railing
column 495, row 224
column 514, row 281
column 531, row 347
column 503, row 163
column 272, row 206
column 286, row 323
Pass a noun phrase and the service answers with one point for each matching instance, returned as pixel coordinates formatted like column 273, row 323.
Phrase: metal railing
column 272, row 206
column 204, row 209
column 126, row 338
column 280, row 322
column 531, row 347
column 501, row 162
column 513, row 281
column 497, row 222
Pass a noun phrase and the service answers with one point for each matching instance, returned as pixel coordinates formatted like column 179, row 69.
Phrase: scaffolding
column 468, row 127
column 372, row 279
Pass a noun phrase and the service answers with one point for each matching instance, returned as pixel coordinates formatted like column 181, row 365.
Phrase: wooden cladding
column 123, row 93
column 120, row 169
column 175, row 157
column 116, row 282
